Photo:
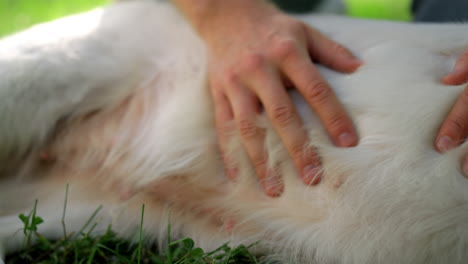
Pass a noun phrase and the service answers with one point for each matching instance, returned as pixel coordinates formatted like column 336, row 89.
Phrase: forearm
column 205, row 13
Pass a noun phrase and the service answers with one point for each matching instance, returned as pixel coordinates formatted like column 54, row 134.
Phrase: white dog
column 115, row 103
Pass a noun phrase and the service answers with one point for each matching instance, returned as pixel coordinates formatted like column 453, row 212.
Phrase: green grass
column 83, row 247
column 20, row 14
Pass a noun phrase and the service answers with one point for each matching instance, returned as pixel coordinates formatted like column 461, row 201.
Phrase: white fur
column 118, row 98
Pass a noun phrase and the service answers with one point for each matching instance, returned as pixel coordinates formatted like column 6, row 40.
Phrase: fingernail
column 465, row 168
column 312, row 174
column 354, row 64
column 346, row 140
column 445, row 143
column 272, row 184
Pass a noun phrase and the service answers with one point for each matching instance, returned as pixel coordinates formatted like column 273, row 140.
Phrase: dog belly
column 391, row 199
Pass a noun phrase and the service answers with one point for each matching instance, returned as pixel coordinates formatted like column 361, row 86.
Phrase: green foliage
column 20, row 14
column 30, row 223
column 82, row 247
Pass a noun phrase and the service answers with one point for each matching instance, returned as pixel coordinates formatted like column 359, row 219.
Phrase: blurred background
column 19, row 14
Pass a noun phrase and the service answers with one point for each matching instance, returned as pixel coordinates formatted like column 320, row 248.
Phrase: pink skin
column 455, row 127
column 255, row 51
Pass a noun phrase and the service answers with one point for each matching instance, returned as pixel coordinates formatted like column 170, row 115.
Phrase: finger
column 223, row 118
column 459, row 75
column 330, row 53
column 286, row 121
column 298, row 67
column 246, row 109
column 455, row 127
column 465, row 166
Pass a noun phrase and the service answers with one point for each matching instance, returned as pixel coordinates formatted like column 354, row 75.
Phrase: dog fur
column 115, row 103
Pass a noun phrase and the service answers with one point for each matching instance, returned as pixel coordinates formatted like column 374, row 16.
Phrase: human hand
column 254, row 50
column 455, row 127
column 250, row 60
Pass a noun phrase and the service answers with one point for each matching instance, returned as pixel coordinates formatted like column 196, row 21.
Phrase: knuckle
column 336, row 123
column 252, row 62
column 318, row 92
column 282, row 115
column 260, row 163
column 297, row 151
column 338, row 52
column 231, row 77
column 247, row 129
column 457, row 124
column 285, row 48
column 225, row 131
column 296, row 26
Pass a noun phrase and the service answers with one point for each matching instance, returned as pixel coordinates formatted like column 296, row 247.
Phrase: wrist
column 210, row 16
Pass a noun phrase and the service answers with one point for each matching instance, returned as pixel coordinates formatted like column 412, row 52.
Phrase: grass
column 83, row 247
column 20, row 14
